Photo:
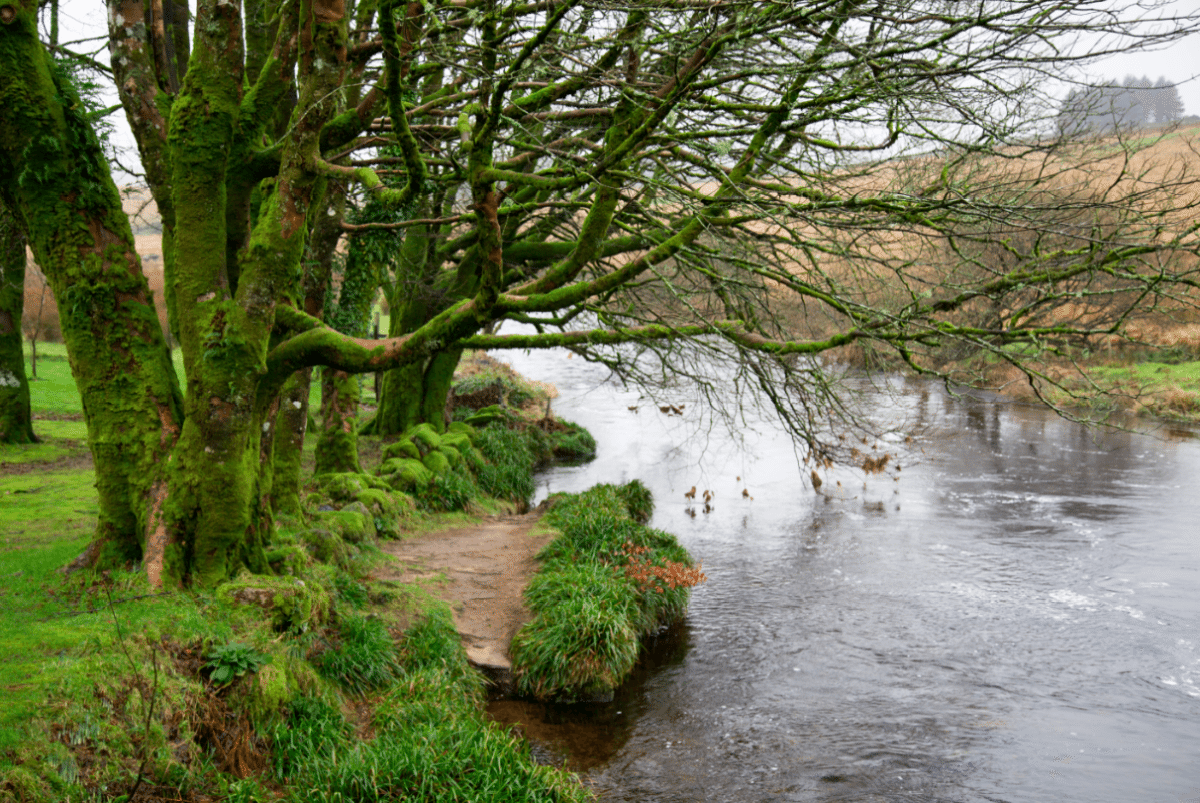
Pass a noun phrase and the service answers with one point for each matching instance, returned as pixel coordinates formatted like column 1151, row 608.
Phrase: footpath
column 487, row 567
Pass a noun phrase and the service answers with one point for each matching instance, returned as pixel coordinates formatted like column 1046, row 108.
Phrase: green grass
column 92, row 692
column 53, row 391
column 509, row 472
column 598, row 590
column 364, row 657
column 431, row 741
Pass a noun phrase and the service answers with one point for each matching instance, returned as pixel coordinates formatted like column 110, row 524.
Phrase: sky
column 1178, row 62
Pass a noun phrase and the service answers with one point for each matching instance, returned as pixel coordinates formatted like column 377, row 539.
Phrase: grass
column 365, row 696
column 606, row 580
column 54, row 391
column 509, row 471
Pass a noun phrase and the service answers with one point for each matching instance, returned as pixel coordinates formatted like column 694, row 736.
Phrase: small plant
column 234, row 660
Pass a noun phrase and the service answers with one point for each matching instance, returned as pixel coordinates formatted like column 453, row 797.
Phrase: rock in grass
column 487, row 415
column 458, row 440
column 325, row 545
column 292, row 604
column 289, row 559
column 462, row 428
column 362, row 528
column 344, row 487
column 425, row 438
column 453, row 456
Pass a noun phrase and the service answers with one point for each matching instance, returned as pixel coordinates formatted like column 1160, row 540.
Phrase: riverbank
column 341, row 677
column 1153, row 375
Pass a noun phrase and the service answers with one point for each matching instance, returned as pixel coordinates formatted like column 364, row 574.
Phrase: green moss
column 458, row 440
column 463, row 428
column 368, row 520
column 437, row 463
column 353, row 523
column 346, row 486
column 452, row 455
column 402, row 448
column 425, row 437
column 389, row 509
column 487, row 415
column 290, row 560
column 404, row 474
column 326, row 546
column 292, row 604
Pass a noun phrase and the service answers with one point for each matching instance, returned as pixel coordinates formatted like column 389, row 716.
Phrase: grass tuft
column 365, row 656
column 509, row 472
column 606, row 580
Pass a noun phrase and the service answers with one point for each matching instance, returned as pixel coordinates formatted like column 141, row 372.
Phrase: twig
column 111, row 602
column 153, row 689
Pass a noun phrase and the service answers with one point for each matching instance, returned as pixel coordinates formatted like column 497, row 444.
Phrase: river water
column 1013, row 616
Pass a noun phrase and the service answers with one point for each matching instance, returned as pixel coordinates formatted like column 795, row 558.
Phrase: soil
column 487, row 567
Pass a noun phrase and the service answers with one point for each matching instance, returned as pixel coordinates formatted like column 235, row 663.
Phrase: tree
column 16, row 422
column 1168, row 107
column 687, row 174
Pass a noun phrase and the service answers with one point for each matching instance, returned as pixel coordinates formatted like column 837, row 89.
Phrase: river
column 1013, row 616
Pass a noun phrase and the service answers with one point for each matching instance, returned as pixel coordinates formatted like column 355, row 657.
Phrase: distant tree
column 16, row 423
column 1168, row 107
column 1108, row 107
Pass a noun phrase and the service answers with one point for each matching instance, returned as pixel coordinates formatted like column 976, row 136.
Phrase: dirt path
column 488, row 566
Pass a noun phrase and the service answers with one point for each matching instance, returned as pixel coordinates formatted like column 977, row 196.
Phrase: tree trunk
column 16, row 424
column 337, row 448
column 414, row 393
column 53, row 173
column 292, row 425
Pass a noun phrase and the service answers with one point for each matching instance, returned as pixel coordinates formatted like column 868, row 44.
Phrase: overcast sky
column 1178, row 63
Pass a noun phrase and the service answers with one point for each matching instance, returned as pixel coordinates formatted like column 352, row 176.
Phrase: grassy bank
column 606, row 581
column 1159, row 381
column 320, row 683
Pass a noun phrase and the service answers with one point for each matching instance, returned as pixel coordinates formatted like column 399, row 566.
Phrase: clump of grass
column 454, row 759
column 491, row 387
column 350, row 591
column 450, row 491
column 582, row 642
column 509, row 471
column 554, row 439
column 365, row 657
column 314, row 730
column 431, row 740
column 638, row 500
column 606, row 580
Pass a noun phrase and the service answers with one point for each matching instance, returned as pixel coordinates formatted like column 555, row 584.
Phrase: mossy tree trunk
column 337, row 448
column 415, row 393
column 16, row 420
column 54, row 174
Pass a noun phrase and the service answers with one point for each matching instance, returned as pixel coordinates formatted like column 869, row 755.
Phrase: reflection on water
column 1013, row 617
